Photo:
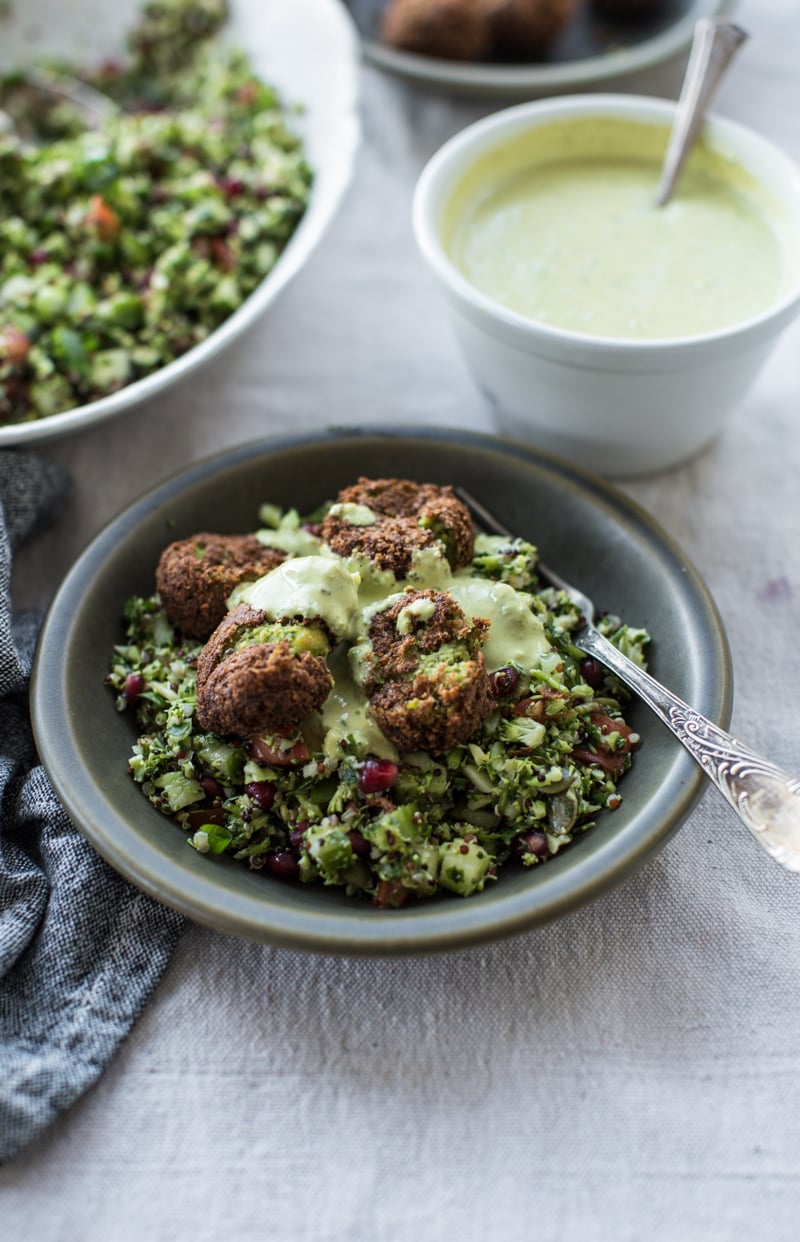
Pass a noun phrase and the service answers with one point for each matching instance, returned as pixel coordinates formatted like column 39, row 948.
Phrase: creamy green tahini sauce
column 308, row 586
column 295, row 541
column 345, row 713
column 568, row 234
column 418, row 610
column 429, row 571
column 516, row 636
column 353, row 514
column 346, row 594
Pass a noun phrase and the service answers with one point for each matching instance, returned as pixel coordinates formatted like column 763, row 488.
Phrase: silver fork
column 766, row 799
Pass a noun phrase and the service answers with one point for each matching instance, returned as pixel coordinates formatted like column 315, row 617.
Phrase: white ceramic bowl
column 618, row 406
column 308, row 49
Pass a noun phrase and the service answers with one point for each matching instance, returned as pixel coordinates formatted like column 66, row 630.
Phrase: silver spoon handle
column 97, row 107
column 715, row 43
column 765, row 798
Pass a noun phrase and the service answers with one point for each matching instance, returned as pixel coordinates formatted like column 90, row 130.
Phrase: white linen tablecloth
column 631, row 1072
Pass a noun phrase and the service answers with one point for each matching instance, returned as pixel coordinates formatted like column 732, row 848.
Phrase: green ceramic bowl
column 586, row 529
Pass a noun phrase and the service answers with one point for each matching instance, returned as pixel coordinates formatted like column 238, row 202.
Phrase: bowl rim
column 200, row 897
column 299, row 248
column 455, row 156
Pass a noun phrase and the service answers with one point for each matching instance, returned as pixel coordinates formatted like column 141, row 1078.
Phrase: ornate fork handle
column 765, row 798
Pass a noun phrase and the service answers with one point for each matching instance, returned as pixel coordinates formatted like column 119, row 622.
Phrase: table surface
column 632, row 1071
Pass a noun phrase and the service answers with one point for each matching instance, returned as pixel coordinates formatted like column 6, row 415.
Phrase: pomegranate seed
column 232, row 187
column 134, row 685
column 296, row 839
column 592, row 672
column 503, row 682
column 262, row 793
column 531, row 843
column 211, row 787
column 377, row 775
column 282, row 865
column 359, row 845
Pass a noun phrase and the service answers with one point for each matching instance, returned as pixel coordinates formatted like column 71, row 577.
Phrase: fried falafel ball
column 256, row 676
column 425, row 674
column 390, row 544
column 407, row 516
column 522, row 29
column 451, row 29
column 195, row 576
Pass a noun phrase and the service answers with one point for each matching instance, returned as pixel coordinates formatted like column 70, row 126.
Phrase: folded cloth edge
column 81, row 950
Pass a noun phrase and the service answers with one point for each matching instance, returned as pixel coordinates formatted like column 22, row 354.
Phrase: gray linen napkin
column 80, row 949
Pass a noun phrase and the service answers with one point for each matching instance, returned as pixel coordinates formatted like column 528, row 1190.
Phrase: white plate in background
column 308, row 49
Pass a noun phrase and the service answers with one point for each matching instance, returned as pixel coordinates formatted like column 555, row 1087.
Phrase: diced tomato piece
column 270, row 752
column 609, row 760
column 607, row 724
column 532, row 708
column 391, row 895
column 535, row 708
column 102, row 218
column 14, row 345
column 211, row 815
column 247, row 94
column 221, row 254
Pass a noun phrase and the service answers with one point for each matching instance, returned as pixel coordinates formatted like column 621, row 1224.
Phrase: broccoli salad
column 123, row 247
column 372, row 697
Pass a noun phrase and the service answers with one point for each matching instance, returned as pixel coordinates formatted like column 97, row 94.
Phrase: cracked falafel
column 425, row 674
column 396, row 517
column 257, row 676
column 195, row 576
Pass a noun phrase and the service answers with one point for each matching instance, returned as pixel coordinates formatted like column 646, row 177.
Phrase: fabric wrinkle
column 81, row 951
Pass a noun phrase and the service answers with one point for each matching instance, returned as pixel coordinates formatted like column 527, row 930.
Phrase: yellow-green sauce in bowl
column 560, row 225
